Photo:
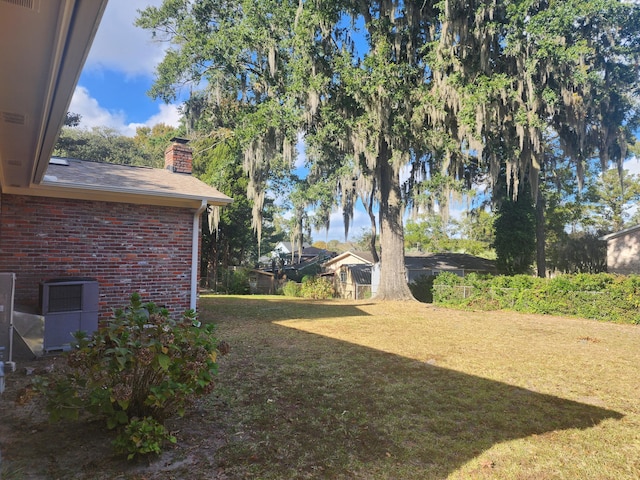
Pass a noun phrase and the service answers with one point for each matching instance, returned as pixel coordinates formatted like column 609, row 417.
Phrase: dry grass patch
column 335, row 389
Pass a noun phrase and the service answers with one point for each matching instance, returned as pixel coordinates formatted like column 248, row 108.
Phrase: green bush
column 599, row 296
column 239, row 282
column 137, row 371
column 291, row 289
column 318, row 288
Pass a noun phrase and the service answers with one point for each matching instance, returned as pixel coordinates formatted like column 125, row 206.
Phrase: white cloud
column 93, row 115
column 168, row 114
column 632, row 165
column 120, row 45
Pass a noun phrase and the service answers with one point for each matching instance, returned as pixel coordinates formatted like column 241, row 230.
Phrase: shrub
column 239, row 282
column 599, row 296
column 445, row 288
column 137, row 371
column 318, row 288
column 291, row 289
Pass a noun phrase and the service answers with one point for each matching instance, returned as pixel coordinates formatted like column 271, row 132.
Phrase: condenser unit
column 68, row 305
column 7, row 289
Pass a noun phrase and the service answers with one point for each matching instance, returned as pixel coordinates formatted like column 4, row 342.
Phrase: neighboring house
column 286, row 248
column 351, row 273
column 132, row 229
column 287, row 251
column 418, row 266
column 310, row 265
column 353, row 281
column 623, row 251
column 348, row 258
column 460, row 264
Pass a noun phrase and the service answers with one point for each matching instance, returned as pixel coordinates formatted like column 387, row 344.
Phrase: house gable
column 348, row 258
column 623, row 251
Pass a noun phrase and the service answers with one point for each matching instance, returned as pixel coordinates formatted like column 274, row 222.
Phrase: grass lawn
column 343, row 389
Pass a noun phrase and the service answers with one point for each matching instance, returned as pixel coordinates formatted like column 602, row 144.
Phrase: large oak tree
column 390, row 93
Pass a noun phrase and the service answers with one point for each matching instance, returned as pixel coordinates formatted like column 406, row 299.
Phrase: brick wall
column 127, row 248
column 178, row 158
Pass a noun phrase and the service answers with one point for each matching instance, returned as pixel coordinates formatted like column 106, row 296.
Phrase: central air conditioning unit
column 7, row 289
column 68, row 305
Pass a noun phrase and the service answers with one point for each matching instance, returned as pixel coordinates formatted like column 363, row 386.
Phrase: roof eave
column 75, row 41
column 118, row 195
column 620, row 233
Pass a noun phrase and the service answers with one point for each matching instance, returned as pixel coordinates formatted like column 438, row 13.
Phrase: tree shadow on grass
column 312, row 406
column 278, row 308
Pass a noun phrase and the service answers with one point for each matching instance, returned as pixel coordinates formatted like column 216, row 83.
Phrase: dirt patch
column 33, row 448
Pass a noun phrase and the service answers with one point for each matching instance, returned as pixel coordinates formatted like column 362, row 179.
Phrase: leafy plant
column 291, row 289
column 318, row 288
column 600, row 296
column 135, row 372
column 239, row 282
column 142, row 436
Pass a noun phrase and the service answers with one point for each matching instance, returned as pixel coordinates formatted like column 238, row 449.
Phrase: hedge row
column 601, row 296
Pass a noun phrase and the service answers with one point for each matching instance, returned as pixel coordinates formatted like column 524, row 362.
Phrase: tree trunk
column 300, row 239
column 541, row 262
column 374, row 232
column 393, row 282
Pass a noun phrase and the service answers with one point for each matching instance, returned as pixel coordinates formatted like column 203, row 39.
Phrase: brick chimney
column 178, row 157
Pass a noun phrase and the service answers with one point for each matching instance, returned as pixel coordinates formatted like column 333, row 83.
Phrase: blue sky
column 118, row 73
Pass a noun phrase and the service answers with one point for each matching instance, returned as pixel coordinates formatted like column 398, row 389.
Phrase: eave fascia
column 77, row 26
column 116, row 195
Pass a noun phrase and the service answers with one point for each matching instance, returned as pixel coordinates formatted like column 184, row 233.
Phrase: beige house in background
column 351, row 272
column 623, row 251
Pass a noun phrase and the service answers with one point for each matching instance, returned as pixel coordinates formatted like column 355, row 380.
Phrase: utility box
column 68, row 305
column 7, row 288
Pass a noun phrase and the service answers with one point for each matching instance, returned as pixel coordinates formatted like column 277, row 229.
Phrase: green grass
column 337, row 389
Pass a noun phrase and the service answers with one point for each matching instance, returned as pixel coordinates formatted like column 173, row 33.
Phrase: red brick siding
column 128, row 248
column 178, row 158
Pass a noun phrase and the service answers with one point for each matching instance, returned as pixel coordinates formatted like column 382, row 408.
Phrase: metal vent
column 12, row 117
column 59, row 161
column 29, row 4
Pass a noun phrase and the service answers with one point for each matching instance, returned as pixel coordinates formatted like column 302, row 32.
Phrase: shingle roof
column 82, row 174
column 620, row 233
column 361, row 274
column 450, row 261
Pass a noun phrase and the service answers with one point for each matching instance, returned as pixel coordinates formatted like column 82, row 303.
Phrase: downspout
column 195, row 261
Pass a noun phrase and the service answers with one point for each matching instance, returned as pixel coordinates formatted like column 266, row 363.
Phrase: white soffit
column 44, row 46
